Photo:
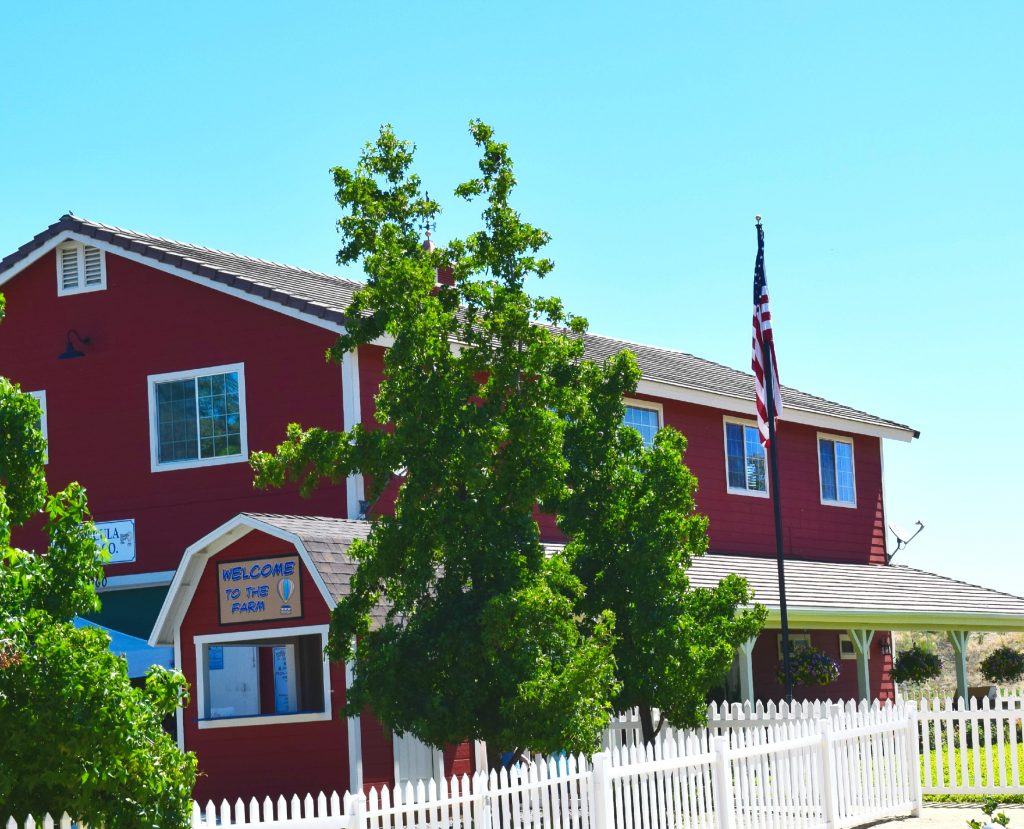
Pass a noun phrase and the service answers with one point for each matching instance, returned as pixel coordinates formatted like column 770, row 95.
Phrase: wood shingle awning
column 830, row 595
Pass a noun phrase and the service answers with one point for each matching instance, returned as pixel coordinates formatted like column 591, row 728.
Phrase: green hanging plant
column 1004, row 664
column 917, row 664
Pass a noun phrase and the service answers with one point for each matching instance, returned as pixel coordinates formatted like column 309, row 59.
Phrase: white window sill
column 269, row 719
column 196, row 464
column 750, row 493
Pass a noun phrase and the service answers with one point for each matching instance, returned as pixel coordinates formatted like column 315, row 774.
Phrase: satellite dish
column 903, row 538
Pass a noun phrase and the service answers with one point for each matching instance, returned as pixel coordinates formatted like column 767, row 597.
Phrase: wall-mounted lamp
column 70, row 352
column 885, row 645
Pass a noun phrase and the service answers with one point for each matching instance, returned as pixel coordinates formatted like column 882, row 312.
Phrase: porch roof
column 825, row 594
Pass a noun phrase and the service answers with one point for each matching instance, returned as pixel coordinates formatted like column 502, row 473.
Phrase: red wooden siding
column 766, row 666
column 812, row 530
column 149, row 322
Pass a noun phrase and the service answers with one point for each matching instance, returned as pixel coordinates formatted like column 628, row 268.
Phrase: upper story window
column 197, row 418
column 40, row 397
column 745, row 465
column 80, row 268
column 645, row 418
column 835, row 468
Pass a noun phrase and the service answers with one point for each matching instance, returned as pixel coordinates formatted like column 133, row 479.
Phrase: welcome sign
column 259, row 590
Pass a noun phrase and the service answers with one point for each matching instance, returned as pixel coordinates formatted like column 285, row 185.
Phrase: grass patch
column 976, row 777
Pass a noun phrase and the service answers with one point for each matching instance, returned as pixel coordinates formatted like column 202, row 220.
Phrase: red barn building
column 162, row 365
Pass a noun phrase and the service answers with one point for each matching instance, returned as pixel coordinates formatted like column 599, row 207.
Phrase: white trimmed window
column 40, row 396
column 262, row 677
column 197, row 418
column 835, row 470
column 746, row 469
column 796, row 642
column 80, row 268
column 645, row 417
column 846, row 649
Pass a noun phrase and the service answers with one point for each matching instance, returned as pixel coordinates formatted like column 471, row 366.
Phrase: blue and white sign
column 119, row 539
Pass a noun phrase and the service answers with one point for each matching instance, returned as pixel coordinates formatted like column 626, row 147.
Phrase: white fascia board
column 135, row 581
column 700, row 397
column 150, row 262
column 877, row 619
column 193, row 565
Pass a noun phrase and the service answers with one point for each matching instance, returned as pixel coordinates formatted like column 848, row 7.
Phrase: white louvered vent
column 80, row 268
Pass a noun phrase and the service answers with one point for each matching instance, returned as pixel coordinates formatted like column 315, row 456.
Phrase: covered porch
column 862, row 604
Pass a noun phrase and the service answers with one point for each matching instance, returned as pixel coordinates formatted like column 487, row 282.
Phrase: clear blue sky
column 881, row 142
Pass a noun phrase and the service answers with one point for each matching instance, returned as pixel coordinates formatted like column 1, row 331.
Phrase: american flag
column 762, row 335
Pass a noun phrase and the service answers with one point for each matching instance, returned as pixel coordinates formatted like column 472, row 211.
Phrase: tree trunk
column 647, row 723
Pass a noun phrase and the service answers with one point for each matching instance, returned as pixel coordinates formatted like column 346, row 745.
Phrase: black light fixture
column 885, row 645
column 70, row 352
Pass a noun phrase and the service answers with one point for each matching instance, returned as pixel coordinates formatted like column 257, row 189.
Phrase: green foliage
column 481, row 638
column 1004, row 664
column 811, row 666
column 75, row 734
column 916, row 664
column 989, row 808
column 634, row 530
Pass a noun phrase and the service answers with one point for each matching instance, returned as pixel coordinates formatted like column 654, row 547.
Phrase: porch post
column 745, row 654
column 958, row 638
column 862, row 645
column 354, row 728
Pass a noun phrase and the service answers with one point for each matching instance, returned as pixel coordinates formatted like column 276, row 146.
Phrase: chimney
column 445, row 276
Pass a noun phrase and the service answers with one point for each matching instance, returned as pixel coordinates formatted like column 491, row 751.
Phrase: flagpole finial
column 757, row 219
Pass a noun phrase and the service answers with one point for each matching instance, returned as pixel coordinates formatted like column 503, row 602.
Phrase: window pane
column 645, row 421
column 735, row 460
column 844, row 472
column 221, row 433
column 826, row 457
column 176, row 420
column 757, row 479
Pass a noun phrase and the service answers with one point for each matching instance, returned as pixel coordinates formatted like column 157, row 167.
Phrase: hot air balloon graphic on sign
column 285, row 587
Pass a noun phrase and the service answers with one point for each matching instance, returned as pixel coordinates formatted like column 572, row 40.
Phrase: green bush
column 916, row 664
column 1004, row 664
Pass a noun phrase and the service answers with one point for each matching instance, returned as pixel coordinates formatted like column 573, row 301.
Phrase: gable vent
column 80, row 268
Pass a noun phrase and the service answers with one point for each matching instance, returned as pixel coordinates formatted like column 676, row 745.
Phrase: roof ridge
column 222, row 252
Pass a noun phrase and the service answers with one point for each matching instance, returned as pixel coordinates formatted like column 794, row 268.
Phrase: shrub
column 1004, row 664
column 811, row 666
column 916, row 664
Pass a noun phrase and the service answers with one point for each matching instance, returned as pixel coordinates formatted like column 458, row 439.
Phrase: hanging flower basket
column 811, row 666
column 1003, row 665
column 917, row 664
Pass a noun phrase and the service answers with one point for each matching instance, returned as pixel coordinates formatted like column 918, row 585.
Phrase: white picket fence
column 971, row 749
column 807, row 767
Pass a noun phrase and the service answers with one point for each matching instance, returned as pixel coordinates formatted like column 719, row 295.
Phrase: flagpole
column 769, row 393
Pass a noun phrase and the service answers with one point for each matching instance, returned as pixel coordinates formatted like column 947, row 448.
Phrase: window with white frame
column 835, row 468
column 645, row 418
column 40, row 397
column 745, row 465
column 797, row 641
column 846, row 649
column 262, row 677
column 197, row 418
column 80, row 268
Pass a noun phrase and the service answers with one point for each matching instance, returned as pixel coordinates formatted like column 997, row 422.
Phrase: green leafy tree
column 75, row 735
column 634, row 530
column 482, row 638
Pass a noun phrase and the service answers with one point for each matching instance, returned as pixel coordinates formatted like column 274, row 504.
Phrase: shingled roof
column 831, row 594
column 327, row 297
column 819, row 594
